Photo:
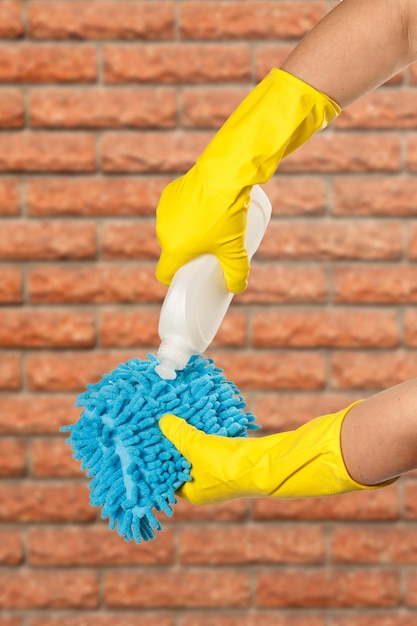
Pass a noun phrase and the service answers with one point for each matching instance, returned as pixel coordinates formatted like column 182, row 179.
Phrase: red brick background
column 101, row 104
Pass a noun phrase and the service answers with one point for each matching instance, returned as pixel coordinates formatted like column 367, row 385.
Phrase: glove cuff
column 308, row 462
column 277, row 117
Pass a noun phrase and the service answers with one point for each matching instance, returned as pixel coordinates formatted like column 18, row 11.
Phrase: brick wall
column 101, row 103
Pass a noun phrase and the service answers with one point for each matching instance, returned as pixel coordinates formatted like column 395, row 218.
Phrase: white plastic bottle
column 197, row 299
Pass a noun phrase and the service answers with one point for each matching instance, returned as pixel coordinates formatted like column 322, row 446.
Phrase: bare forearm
column 379, row 435
column 356, row 47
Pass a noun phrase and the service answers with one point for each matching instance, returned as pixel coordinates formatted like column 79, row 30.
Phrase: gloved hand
column 302, row 463
column 205, row 211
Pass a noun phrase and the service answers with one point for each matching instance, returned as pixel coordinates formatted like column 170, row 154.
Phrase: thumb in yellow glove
column 205, row 211
column 302, row 463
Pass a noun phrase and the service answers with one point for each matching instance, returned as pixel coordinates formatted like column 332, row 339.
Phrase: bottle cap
column 173, row 354
column 166, row 369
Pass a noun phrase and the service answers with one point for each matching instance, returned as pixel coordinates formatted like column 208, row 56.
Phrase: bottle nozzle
column 173, row 355
column 166, row 370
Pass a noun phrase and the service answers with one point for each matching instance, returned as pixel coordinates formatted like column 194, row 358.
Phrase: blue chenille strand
column 135, row 470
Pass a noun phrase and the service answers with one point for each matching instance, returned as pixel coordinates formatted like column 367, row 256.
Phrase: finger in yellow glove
column 302, row 463
column 205, row 211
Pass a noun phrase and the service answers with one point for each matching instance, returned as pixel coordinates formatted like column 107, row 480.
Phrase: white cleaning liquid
column 198, row 299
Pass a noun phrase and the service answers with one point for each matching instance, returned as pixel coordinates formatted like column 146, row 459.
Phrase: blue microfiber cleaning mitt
column 119, row 442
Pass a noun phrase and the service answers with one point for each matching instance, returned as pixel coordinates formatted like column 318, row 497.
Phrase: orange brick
column 261, row 618
column 345, row 152
column 350, row 588
column 411, row 589
column 11, row 285
column 95, row 284
column 43, row 589
column 101, row 20
column 384, row 108
column 234, row 511
column 130, row 240
column 323, row 240
column 302, row 195
column 11, row 107
column 233, row 331
column 411, row 593
column 105, row 108
column 393, row 619
column 101, row 619
column 326, row 328
column 11, row 548
column 412, row 153
column 45, row 502
column 113, row 196
column 45, row 328
column 9, row 197
column 95, row 546
column 40, row 152
column 195, row 588
column 273, row 370
column 370, row 370
column 11, row 620
column 379, row 196
column 258, row 20
column 151, row 151
column 275, row 283
column 36, row 414
column 126, row 329
column 26, row 240
column 11, row 19
column 412, row 242
column 175, row 63
column 269, row 55
column 10, row 371
column 51, row 371
column 12, row 457
column 51, row 458
column 389, row 284
column 371, row 545
column 31, row 63
column 237, row 545
column 209, row 107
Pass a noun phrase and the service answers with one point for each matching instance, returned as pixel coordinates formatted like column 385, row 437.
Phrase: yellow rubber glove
column 302, row 463
column 205, row 211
